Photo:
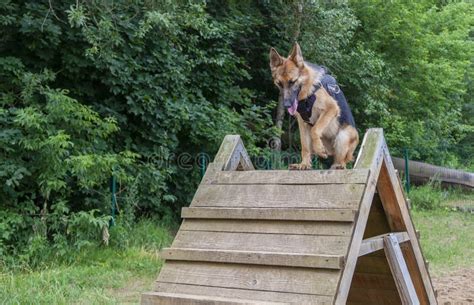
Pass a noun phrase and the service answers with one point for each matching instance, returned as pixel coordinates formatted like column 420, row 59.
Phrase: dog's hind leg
column 341, row 148
column 344, row 146
column 354, row 141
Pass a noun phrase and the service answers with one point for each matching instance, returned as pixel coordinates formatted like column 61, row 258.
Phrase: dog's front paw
column 300, row 166
column 320, row 150
column 338, row 166
column 322, row 153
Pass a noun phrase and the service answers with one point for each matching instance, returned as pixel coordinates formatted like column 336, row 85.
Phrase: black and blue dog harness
column 305, row 107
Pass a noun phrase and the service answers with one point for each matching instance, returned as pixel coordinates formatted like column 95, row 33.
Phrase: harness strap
column 305, row 107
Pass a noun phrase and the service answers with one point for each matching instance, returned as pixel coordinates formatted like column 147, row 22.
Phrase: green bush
column 427, row 197
column 92, row 89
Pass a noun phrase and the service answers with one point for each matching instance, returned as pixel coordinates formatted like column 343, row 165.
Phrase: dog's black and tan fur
column 327, row 136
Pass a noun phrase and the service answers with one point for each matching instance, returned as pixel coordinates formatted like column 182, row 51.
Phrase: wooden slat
column 291, row 177
column 373, row 297
column 377, row 222
column 345, row 196
column 268, row 226
column 307, row 244
column 373, row 264
column 370, row 157
column 343, row 215
column 255, row 258
column 163, row 298
column 376, row 243
column 373, row 281
column 293, row 298
column 400, row 271
column 263, row 278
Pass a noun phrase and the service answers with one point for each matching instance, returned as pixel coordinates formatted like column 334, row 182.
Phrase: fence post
column 113, row 190
column 407, row 171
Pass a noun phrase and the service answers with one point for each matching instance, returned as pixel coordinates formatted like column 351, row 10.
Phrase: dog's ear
column 275, row 59
column 296, row 56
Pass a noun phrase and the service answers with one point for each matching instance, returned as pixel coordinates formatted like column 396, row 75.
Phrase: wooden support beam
column 232, row 154
column 376, row 243
column 254, row 258
column 400, row 272
column 391, row 194
column 343, row 215
column 370, row 157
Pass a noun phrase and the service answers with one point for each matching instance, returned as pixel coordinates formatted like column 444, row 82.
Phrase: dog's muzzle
column 290, row 102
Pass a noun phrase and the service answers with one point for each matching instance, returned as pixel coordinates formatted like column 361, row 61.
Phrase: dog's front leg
column 318, row 129
column 305, row 136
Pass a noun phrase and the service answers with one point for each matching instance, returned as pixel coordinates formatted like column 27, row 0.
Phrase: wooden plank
column 373, row 264
column 263, row 278
column 345, row 196
column 373, row 297
column 400, row 271
column 396, row 207
column 377, row 222
column 370, row 157
column 281, row 243
column 268, row 226
column 339, row 215
column 273, row 296
column 291, row 177
column 163, row 298
column 373, row 281
column 254, row 258
column 376, row 243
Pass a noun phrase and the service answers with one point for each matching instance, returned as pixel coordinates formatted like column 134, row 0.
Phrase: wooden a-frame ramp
column 296, row 237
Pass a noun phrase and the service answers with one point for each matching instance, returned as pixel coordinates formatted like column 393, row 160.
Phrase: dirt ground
column 456, row 288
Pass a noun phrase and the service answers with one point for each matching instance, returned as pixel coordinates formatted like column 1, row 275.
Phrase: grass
column 118, row 274
column 102, row 275
column 447, row 239
column 447, row 233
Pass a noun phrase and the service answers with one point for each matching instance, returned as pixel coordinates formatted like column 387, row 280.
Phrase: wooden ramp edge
column 295, row 237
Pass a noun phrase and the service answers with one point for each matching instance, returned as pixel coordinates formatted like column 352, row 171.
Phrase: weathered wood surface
column 373, row 264
column 358, row 176
column 254, row 258
column 373, row 281
column 268, row 226
column 292, row 298
column 263, row 278
column 339, row 215
column 232, row 154
column 291, row 237
column 377, row 222
column 370, row 157
column 345, row 196
column 400, row 271
column 281, row 243
column 163, row 298
column 396, row 207
column 374, row 296
column 376, row 243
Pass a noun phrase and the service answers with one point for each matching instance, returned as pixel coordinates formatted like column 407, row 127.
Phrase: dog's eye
column 278, row 83
column 291, row 82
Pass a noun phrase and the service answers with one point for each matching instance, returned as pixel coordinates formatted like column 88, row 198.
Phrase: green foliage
column 137, row 90
column 94, row 274
column 427, row 197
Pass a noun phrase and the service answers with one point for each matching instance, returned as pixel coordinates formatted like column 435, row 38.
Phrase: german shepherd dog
column 325, row 120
